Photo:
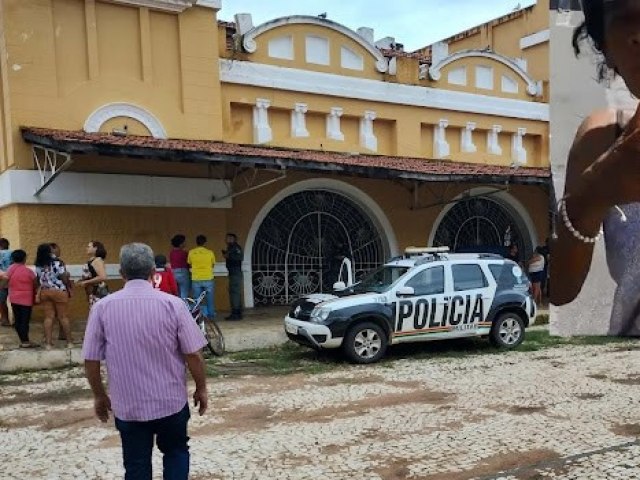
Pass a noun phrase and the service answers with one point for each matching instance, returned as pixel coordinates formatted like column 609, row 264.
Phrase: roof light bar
column 425, row 250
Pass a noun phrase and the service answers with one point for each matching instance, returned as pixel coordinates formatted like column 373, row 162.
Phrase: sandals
column 29, row 345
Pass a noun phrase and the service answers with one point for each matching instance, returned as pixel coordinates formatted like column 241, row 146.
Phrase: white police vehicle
column 427, row 294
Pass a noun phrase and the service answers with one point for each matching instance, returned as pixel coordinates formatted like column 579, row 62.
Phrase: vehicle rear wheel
column 365, row 342
column 215, row 339
column 507, row 331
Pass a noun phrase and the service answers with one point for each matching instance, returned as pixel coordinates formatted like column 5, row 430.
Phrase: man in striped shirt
column 145, row 338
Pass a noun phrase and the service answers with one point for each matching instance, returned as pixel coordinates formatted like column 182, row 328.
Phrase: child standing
column 22, row 292
column 163, row 279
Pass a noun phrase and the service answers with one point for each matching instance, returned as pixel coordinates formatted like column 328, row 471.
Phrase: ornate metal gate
column 484, row 224
column 301, row 243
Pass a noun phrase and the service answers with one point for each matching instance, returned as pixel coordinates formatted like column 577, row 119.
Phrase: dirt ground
column 566, row 412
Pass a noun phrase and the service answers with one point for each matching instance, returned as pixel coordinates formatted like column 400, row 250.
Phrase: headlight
column 319, row 315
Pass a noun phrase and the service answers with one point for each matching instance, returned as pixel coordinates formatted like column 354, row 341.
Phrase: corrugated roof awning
column 372, row 166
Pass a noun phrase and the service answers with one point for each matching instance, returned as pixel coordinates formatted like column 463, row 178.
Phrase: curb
column 13, row 361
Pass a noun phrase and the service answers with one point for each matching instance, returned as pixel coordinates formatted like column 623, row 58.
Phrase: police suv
column 427, row 294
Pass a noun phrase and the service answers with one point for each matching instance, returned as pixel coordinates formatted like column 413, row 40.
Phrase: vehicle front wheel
column 365, row 342
column 507, row 331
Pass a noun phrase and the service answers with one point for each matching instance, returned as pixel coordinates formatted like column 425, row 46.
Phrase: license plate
column 292, row 329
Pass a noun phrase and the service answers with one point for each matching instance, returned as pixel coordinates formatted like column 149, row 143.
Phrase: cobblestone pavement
column 569, row 412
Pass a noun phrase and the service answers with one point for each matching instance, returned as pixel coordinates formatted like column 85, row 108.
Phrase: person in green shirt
column 201, row 261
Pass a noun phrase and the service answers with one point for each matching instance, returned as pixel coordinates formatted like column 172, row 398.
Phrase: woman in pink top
column 179, row 266
column 22, row 292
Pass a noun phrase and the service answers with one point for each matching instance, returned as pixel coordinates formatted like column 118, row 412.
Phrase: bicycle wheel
column 215, row 339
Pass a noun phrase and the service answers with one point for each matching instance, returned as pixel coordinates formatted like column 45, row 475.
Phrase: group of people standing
column 48, row 284
column 193, row 271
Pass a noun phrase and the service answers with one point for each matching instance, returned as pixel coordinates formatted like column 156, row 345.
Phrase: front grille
column 301, row 310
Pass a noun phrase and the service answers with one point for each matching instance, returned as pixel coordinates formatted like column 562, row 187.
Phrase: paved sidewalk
column 261, row 328
column 567, row 412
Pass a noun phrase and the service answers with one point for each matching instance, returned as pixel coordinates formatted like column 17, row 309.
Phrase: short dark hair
column 235, row 237
column 43, row 255
column 201, row 240
column 4, row 244
column 178, row 240
column 592, row 31
column 53, row 245
column 161, row 261
column 19, row 256
column 101, row 252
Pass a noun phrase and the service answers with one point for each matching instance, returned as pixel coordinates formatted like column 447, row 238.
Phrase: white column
column 368, row 138
column 466, row 138
column 333, row 125
column 518, row 152
column 493, row 141
column 299, row 121
column 261, row 129
column 441, row 148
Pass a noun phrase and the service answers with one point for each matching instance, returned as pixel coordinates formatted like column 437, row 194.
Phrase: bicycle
column 208, row 326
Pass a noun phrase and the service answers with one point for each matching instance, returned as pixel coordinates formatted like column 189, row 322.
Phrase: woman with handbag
column 94, row 274
column 54, row 285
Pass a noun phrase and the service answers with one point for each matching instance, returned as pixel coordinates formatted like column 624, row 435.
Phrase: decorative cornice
column 532, row 85
column 214, row 4
column 176, row 6
column 250, row 45
column 319, row 83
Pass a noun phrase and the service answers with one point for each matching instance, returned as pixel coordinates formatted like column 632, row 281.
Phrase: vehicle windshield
column 381, row 280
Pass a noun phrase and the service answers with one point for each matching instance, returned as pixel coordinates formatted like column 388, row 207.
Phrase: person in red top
column 179, row 265
column 163, row 278
column 22, row 293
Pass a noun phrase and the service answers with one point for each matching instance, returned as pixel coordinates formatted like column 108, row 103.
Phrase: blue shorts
column 4, row 294
column 536, row 277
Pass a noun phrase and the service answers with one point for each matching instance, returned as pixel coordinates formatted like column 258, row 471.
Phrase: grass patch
column 292, row 358
column 282, row 360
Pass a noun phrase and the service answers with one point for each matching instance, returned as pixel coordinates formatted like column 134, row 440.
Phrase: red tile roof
column 206, row 150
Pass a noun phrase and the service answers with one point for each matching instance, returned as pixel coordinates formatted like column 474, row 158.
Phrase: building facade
column 134, row 120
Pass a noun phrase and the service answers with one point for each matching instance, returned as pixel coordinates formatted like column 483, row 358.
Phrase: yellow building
column 134, row 120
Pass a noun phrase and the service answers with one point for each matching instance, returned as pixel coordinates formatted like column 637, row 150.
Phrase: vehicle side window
column 428, row 282
column 468, row 277
column 496, row 271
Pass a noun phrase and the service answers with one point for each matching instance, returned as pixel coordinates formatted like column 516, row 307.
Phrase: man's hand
column 195, row 364
column 102, row 407
column 200, row 399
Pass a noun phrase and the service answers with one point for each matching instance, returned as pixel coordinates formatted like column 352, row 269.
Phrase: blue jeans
column 209, row 286
column 183, row 279
column 171, row 438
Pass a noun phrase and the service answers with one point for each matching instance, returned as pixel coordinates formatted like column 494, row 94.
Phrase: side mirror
column 405, row 292
column 338, row 286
